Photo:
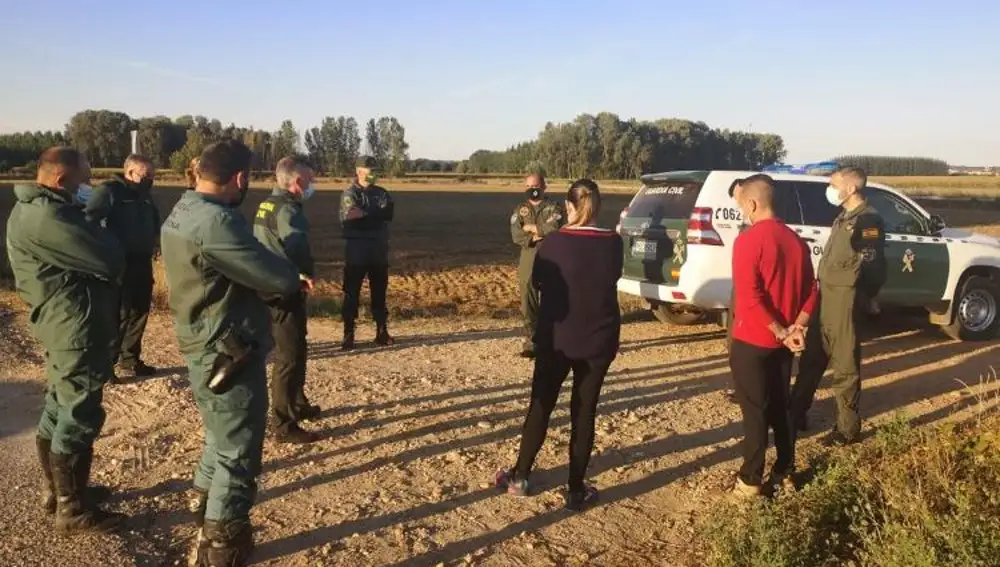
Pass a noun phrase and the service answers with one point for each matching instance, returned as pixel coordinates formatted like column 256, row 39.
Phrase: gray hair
column 288, row 168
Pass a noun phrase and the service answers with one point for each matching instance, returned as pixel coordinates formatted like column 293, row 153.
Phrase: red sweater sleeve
column 750, row 297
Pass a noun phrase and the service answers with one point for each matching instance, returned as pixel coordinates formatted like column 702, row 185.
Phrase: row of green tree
column 890, row 165
column 105, row 137
column 607, row 147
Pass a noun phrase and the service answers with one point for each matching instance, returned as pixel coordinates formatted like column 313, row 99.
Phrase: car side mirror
column 937, row 224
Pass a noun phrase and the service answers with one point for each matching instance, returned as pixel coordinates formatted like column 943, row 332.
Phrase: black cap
column 366, row 161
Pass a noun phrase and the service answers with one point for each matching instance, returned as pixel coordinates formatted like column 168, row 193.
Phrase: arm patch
column 870, row 233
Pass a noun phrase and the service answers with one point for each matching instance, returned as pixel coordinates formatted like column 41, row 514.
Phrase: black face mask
column 534, row 193
column 145, row 184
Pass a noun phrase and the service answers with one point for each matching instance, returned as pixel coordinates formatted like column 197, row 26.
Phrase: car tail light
column 678, row 296
column 700, row 229
column 621, row 218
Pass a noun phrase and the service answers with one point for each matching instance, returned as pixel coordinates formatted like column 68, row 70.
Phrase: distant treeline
column 891, row 165
column 105, row 137
column 606, row 147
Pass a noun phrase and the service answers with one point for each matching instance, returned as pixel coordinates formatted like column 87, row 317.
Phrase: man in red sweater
column 774, row 296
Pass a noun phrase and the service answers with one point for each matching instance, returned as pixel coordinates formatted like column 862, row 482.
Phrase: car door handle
column 809, row 240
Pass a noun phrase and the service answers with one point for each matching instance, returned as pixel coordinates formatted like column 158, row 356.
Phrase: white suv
column 680, row 227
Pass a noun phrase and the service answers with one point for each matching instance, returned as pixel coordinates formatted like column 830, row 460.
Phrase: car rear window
column 669, row 199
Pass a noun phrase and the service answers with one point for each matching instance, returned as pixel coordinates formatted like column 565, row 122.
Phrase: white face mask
column 308, row 192
column 83, row 193
column 833, row 195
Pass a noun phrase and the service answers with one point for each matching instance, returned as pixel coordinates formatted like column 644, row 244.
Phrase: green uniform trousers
column 529, row 293
column 73, row 416
column 832, row 340
column 136, row 297
column 235, row 423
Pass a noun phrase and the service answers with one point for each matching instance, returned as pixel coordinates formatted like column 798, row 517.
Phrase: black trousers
column 378, row 283
column 551, row 369
column 288, row 375
column 136, row 298
column 762, row 379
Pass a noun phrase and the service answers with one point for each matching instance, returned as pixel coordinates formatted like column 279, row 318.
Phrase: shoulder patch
column 524, row 212
column 513, row 218
column 870, row 233
column 868, row 254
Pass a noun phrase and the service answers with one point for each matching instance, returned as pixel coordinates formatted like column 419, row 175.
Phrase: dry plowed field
column 412, row 434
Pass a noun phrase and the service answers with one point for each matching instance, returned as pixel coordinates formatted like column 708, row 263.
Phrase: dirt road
column 414, row 433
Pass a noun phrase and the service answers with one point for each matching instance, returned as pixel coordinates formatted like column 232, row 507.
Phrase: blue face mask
column 308, row 192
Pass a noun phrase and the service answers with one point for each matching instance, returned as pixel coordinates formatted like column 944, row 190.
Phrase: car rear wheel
column 677, row 314
column 976, row 309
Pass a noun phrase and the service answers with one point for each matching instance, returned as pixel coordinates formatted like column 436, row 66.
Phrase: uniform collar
column 192, row 194
column 855, row 211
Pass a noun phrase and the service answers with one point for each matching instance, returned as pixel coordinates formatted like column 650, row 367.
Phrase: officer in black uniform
column 365, row 213
column 282, row 228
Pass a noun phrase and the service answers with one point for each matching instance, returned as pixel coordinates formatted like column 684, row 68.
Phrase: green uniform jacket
column 216, row 270
column 129, row 213
column 854, row 255
column 548, row 216
column 67, row 269
column 365, row 214
column 282, row 228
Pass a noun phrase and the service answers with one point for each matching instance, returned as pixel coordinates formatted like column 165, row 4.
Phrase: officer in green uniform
column 851, row 272
column 365, row 213
column 282, row 228
column 218, row 272
column 532, row 220
column 126, row 208
column 67, row 270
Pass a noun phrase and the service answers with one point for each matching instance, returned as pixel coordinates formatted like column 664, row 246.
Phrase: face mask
column 82, row 194
column 534, row 193
column 308, row 192
column 371, row 179
column 145, row 184
column 833, row 195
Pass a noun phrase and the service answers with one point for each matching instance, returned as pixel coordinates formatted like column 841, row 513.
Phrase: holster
column 232, row 356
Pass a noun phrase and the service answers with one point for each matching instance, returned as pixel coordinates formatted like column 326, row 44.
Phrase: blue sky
column 884, row 76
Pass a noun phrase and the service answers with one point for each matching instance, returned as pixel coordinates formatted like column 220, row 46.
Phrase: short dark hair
column 60, row 158
column 367, row 162
column 755, row 178
column 220, row 161
column 855, row 174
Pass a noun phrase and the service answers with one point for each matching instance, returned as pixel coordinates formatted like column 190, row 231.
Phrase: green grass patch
column 907, row 498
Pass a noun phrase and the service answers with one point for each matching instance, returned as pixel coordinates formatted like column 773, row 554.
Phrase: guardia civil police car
column 679, row 230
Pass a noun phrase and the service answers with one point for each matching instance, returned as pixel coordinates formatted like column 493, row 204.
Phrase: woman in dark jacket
column 579, row 322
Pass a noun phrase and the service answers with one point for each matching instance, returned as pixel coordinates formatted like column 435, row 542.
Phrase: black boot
column 348, row 342
column 382, row 336
column 94, row 494
column 44, row 447
column 74, row 513
column 229, row 544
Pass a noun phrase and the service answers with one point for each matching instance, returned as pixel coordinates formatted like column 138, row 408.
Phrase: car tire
column 674, row 314
column 976, row 310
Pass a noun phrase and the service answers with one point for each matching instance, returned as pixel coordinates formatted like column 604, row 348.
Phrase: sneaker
column 307, row 412
column 578, row 501
column 295, row 435
column 348, row 342
column 748, row 491
column 784, row 481
column 383, row 338
column 506, row 481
